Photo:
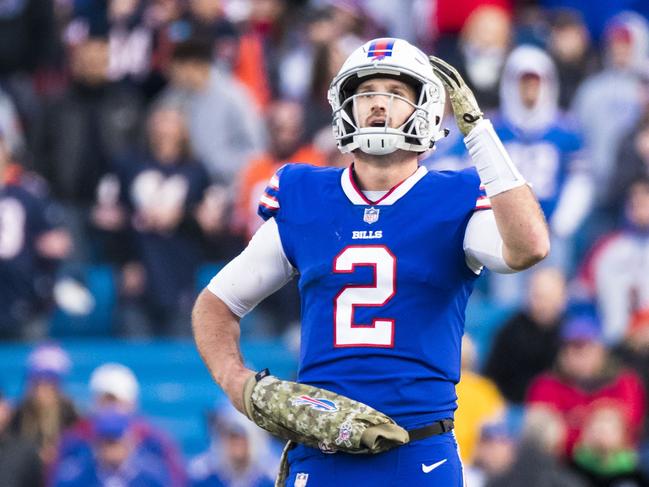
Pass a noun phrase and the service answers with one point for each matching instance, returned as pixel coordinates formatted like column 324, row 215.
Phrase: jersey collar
column 355, row 195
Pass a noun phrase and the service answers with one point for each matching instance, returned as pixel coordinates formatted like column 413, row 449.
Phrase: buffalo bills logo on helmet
column 380, row 49
column 315, row 403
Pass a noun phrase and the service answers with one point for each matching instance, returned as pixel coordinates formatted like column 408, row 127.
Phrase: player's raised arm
column 260, row 270
column 519, row 218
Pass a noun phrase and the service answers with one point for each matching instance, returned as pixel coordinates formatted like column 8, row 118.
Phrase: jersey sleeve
column 482, row 202
column 483, row 245
column 269, row 202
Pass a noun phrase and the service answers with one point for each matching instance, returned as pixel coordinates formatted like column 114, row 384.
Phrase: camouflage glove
column 465, row 107
column 318, row 418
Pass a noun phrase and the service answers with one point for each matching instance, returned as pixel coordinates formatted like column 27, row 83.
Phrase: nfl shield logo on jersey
column 371, row 215
column 301, row 480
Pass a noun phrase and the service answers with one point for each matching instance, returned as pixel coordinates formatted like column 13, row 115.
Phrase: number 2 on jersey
column 381, row 332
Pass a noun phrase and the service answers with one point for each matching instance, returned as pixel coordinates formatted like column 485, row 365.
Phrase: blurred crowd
column 138, row 135
column 45, row 438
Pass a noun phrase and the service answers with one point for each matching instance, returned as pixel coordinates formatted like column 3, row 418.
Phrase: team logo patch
column 380, row 48
column 371, row 215
column 301, row 479
column 317, row 403
column 344, row 434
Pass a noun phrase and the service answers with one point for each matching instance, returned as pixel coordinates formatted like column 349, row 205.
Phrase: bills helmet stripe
column 380, row 48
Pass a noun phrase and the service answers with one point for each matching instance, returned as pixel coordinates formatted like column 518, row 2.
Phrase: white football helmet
column 391, row 58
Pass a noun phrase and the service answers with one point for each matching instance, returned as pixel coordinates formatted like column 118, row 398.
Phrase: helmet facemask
column 384, row 139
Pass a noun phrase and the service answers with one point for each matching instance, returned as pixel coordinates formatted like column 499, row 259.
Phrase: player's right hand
column 465, row 107
column 319, row 418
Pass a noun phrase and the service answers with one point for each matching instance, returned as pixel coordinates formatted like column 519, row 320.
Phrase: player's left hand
column 465, row 107
column 319, row 418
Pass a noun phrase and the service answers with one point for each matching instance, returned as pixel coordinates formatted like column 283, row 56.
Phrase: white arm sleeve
column 483, row 245
column 257, row 272
column 574, row 204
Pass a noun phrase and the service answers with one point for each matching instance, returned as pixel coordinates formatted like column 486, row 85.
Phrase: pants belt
column 437, row 428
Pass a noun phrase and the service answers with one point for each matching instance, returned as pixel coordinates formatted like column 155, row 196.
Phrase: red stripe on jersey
column 273, row 208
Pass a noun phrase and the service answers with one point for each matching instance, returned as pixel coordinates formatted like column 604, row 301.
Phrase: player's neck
column 382, row 173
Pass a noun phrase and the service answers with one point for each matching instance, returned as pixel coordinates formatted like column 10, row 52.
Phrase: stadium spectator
column 156, row 192
column 224, row 126
column 536, row 462
column 328, row 56
column 494, row 454
column 481, row 49
column 116, row 458
column 528, row 342
column 633, row 351
column 32, row 244
column 205, row 20
column 478, row 402
column 614, row 274
column 598, row 14
column 20, row 465
column 547, row 150
column 617, row 85
column 450, row 17
column 81, row 131
column 605, row 455
column 585, row 376
column 44, row 411
column 130, row 41
column 287, row 36
column 285, row 126
column 115, row 388
column 238, row 456
column 632, row 160
column 570, row 46
column 130, row 38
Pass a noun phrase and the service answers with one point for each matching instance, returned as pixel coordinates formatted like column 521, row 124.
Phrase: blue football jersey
column 384, row 285
column 544, row 159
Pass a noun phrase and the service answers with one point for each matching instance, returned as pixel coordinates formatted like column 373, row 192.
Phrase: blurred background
column 136, row 137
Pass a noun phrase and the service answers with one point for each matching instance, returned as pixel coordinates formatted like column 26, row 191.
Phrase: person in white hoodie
column 609, row 103
column 546, row 146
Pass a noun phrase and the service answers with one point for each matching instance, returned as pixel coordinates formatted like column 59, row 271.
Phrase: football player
column 387, row 254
